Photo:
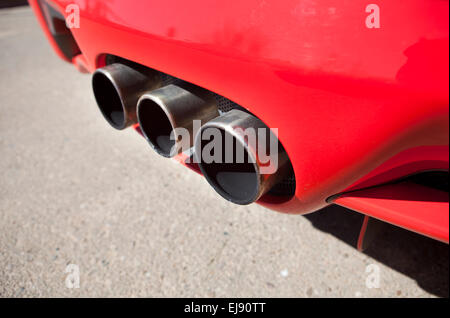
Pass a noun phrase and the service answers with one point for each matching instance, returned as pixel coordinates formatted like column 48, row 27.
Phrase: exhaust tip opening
column 237, row 182
column 156, row 127
column 108, row 100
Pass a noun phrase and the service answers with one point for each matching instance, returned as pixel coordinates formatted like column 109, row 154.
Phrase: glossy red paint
column 411, row 206
column 354, row 106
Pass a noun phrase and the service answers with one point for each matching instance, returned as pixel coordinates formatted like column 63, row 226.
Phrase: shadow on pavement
column 12, row 3
column 418, row 257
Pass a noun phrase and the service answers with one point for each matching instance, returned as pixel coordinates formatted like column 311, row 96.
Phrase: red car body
column 356, row 108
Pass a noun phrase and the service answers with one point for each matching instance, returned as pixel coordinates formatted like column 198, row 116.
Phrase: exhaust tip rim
column 103, row 104
column 256, row 193
column 158, row 104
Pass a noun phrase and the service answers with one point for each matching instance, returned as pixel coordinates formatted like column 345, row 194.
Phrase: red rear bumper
column 354, row 107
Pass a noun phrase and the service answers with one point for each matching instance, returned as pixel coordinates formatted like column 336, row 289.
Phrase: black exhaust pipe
column 117, row 89
column 166, row 116
column 240, row 165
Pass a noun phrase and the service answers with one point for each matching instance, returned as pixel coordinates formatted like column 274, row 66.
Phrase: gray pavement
column 75, row 191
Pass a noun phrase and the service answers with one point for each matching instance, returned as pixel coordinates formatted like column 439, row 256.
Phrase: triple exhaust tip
column 167, row 115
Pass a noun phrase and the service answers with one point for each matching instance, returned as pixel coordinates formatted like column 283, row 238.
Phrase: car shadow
column 420, row 258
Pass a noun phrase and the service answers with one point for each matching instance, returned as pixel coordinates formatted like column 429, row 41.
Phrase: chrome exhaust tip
column 167, row 116
column 117, row 88
column 235, row 162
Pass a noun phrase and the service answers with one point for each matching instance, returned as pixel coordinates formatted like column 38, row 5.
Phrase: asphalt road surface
column 75, row 191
